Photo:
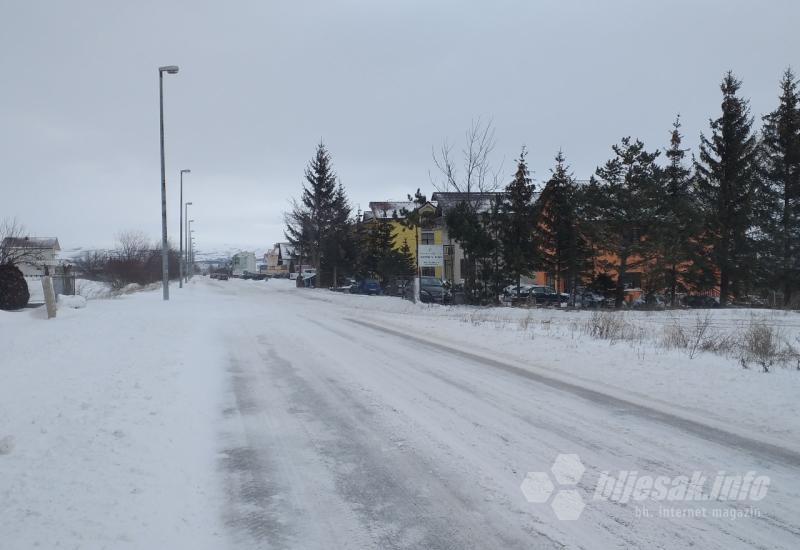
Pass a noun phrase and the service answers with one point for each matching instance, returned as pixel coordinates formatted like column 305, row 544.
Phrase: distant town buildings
column 243, row 262
column 280, row 260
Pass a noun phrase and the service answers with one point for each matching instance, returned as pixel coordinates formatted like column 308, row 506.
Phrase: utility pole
column 180, row 207
column 190, row 259
column 185, row 237
column 169, row 69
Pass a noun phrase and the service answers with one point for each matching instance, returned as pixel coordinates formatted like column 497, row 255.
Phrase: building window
column 428, row 271
column 427, row 238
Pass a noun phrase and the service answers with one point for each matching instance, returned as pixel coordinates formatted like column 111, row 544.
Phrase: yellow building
column 395, row 212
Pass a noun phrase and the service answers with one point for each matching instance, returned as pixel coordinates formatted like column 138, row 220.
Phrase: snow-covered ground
column 252, row 414
column 709, row 386
column 83, row 287
column 108, row 413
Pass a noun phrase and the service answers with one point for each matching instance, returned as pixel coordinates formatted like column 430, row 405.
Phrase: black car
column 431, row 290
column 545, row 295
column 699, row 302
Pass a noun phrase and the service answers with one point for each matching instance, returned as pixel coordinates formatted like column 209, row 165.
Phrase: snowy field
column 708, row 386
column 248, row 414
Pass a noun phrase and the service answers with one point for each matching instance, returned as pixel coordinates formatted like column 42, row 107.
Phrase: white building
column 36, row 255
column 243, row 262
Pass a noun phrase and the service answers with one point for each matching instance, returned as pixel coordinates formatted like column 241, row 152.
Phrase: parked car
column 370, row 287
column 219, row 276
column 434, row 290
column 652, row 301
column 547, row 296
column 696, row 301
column 589, row 300
column 511, row 290
column 431, row 290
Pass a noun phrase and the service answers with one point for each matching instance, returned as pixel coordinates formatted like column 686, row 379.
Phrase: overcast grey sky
column 380, row 82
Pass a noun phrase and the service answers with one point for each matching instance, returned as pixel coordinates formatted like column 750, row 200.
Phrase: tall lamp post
column 185, row 237
column 181, row 228
column 169, row 69
column 193, row 247
column 190, row 259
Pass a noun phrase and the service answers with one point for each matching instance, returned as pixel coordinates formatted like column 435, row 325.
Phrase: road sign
column 431, row 255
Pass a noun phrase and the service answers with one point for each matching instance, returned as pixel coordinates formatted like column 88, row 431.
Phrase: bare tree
column 473, row 173
column 13, row 238
column 132, row 261
column 132, row 246
column 92, row 264
column 471, row 218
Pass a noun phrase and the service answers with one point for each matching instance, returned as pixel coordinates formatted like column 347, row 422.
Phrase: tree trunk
column 724, row 275
column 620, row 290
column 674, row 283
column 787, row 251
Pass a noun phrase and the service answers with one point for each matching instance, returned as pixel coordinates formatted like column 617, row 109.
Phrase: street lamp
column 180, row 283
column 169, row 69
column 189, row 258
column 185, row 250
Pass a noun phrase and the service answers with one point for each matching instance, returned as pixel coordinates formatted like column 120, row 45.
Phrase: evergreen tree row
column 727, row 219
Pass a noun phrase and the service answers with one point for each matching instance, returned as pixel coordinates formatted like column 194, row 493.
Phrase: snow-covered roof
column 385, row 210
column 391, row 209
column 482, row 201
column 32, row 242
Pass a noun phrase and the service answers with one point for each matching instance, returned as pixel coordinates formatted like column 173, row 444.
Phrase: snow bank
column 107, row 426
column 92, row 290
column 74, row 302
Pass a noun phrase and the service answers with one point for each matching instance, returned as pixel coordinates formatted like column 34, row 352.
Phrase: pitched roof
column 391, row 209
column 386, row 210
column 31, row 242
column 482, row 201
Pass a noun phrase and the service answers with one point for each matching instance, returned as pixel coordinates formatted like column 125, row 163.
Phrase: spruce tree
column 673, row 238
column 339, row 246
column 386, row 258
column 781, row 172
column 380, row 257
column 622, row 208
column 562, row 247
column 478, row 234
column 407, row 266
column 727, row 181
column 312, row 222
column 518, row 252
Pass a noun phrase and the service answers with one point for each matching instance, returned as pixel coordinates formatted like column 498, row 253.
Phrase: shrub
column 605, row 326
column 760, row 344
column 14, row 293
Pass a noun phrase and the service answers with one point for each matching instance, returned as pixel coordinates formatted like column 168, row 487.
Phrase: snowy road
column 338, row 434
column 247, row 415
